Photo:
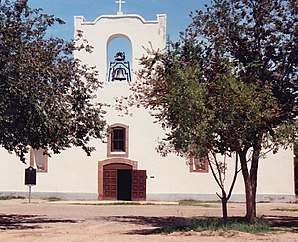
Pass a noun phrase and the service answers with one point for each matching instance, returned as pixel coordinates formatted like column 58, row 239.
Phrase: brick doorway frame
column 102, row 163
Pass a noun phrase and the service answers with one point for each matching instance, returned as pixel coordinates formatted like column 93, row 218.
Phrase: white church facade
column 127, row 166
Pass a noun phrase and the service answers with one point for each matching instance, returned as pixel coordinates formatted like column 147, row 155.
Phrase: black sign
column 30, row 176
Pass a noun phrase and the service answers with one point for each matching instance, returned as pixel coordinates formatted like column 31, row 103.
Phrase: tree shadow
column 24, row 222
column 287, row 223
column 156, row 222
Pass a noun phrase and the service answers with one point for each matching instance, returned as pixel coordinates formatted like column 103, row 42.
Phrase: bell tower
column 100, row 32
column 123, row 167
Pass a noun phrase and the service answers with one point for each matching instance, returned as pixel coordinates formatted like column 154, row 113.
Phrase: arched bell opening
column 119, row 58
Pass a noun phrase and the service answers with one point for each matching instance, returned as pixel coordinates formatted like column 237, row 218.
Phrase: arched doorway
column 119, row 179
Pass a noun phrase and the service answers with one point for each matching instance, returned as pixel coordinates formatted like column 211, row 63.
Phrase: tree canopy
column 229, row 85
column 46, row 96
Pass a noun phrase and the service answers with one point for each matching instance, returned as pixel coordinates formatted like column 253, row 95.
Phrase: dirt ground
column 70, row 222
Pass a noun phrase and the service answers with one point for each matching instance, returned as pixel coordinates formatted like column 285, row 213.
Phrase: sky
column 177, row 12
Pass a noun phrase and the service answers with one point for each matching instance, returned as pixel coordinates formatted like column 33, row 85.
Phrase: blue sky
column 177, row 12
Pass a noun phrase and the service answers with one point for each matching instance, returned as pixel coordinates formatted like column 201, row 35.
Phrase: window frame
column 33, row 162
column 193, row 168
column 116, row 140
column 110, row 145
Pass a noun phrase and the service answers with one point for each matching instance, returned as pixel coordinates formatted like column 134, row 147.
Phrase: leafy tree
column 260, row 38
column 46, row 96
column 229, row 85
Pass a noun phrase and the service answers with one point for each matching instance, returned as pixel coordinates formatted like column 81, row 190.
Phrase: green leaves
column 229, row 81
column 229, row 85
column 45, row 94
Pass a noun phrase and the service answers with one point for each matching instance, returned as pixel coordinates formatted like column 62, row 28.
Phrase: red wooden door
column 110, row 184
column 138, row 192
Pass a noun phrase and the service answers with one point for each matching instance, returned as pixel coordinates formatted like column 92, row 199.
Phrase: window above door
column 117, row 141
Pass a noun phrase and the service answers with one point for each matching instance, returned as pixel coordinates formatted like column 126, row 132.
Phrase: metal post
column 30, row 179
column 29, row 193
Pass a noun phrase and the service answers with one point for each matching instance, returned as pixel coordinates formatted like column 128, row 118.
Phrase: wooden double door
column 124, row 183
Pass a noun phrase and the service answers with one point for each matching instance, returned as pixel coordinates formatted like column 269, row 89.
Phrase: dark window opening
column 118, row 139
column 124, row 185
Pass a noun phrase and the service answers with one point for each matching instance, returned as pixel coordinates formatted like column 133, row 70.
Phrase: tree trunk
column 251, row 213
column 250, row 181
column 224, row 203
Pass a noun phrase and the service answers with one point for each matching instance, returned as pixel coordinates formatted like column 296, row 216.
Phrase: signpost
column 30, row 179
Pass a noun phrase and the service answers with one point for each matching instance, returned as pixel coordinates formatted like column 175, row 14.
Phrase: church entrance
column 121, row 182
column 124, row 185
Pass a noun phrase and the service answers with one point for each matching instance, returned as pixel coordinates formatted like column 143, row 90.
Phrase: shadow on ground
column 284, row 222
column 287, row 223
column 23, row 222
column 156, row 222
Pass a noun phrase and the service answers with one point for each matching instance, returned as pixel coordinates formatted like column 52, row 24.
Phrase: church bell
column 119, row 69
column 119, row 74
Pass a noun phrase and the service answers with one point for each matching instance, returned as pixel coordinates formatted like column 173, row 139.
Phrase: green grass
column 205, row 204
column 215, row 224
column 11, row 197
column 54, row 199
column 285, row 209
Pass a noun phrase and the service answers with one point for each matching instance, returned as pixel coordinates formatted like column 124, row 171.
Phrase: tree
column 46, row 96
column 260, row 38
column 219, row 171
column 229, row 85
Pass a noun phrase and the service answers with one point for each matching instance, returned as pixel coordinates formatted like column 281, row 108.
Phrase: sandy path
column 41, row 221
